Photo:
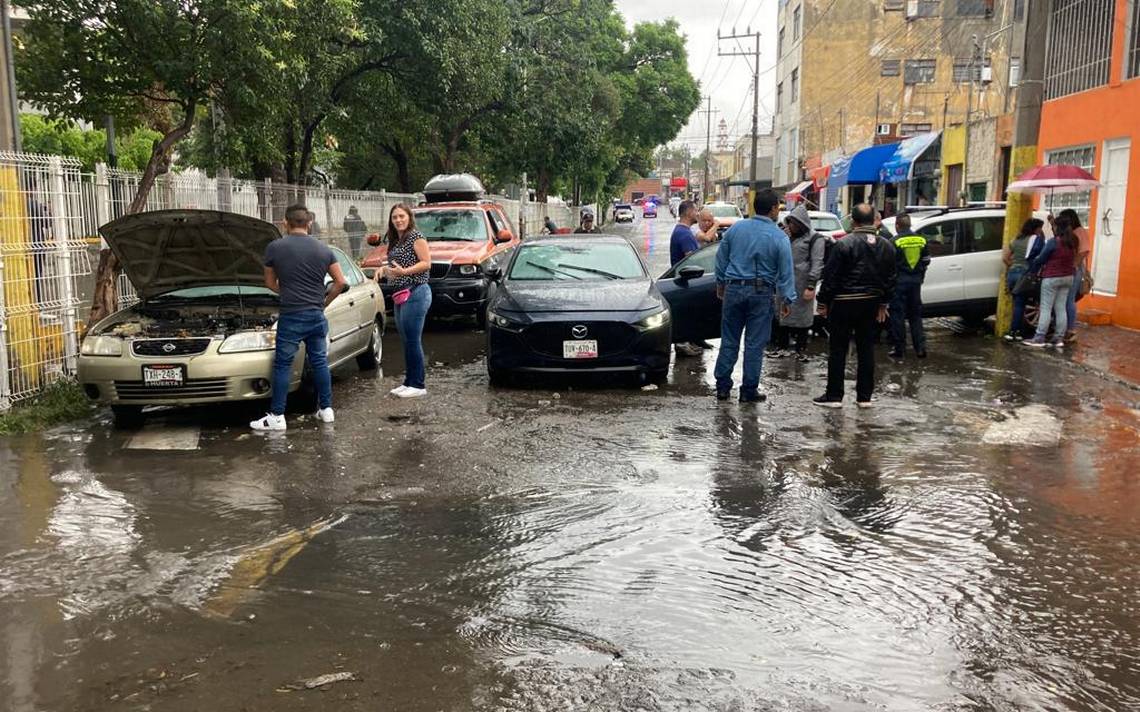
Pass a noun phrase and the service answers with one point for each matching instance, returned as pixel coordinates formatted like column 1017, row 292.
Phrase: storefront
column 856, row 179
column 913, row 170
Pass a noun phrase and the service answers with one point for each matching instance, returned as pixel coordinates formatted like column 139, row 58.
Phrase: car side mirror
column 690, row 272
column 374, row 239
column 503, row 235
column 494, row 274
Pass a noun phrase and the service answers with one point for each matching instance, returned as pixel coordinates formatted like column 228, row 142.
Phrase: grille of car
column 192, row 388
column 439, row 270
column 169, row 347
column 546, row 338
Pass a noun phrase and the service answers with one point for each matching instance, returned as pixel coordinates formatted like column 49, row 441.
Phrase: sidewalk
column 1111, row 351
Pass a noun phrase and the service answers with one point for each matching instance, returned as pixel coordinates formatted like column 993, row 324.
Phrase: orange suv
column 468, row 235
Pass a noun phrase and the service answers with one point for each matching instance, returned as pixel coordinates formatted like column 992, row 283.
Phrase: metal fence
column 50, row 213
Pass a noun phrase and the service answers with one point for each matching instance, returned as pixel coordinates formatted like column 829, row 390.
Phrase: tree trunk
column 105, row 300
column 542, row 188
column 399, row 156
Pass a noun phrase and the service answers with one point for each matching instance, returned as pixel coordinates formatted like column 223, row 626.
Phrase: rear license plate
column 162, row 376
column 580, row 348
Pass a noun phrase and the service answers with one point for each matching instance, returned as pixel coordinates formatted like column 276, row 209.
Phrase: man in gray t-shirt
column 295, row 268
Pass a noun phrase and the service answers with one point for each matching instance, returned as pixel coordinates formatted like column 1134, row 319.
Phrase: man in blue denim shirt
column 753, row 264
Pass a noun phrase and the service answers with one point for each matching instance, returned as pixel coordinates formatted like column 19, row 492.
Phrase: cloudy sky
column 728, row 80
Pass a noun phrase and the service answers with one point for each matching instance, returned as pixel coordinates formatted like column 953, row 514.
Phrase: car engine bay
column 163, row 321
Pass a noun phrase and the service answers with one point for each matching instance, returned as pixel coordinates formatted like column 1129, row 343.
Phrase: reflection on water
column 602, row 550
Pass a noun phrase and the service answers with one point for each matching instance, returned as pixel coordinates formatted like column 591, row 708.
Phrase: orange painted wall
column 1093, row 117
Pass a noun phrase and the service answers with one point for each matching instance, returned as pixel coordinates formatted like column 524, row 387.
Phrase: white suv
column 965, row 246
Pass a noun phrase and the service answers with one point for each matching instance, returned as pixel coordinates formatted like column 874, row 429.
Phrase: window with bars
column 890, row 68
column 963, row 67
column 1018, row 10
column 794, row 90
column 923, row 8
column 920, row 71
column 1014, row 71
column 889, row 5
column 1083, row 156
column 796, row 23
column 780, row 43
column 1133, row 46
column 906, row 129
column 975, row 8
column 1079, row 46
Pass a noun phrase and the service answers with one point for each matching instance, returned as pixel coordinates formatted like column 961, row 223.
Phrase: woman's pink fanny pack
column 402, row 296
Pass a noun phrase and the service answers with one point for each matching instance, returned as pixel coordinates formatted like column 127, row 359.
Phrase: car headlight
column 654, row 321
column 503, row 322
column 102, row 346
column 248, row 341
column 468, row 270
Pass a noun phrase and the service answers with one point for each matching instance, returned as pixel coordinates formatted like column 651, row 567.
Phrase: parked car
column 649, row 210
column 726, row 215
column 204, row 328
column 623, row 212
column 468, row 234
column 965, row 270
column 690, row 289
column 575, row 305
column 824, row 222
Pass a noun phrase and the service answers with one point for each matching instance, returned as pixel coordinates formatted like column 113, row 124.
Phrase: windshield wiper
column 443, row 238
column 592, row 270
column 551, row 270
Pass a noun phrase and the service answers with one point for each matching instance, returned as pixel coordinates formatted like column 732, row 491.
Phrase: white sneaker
column 398, row 390
column 269, row 422
column 410, row 392
column 325, row 415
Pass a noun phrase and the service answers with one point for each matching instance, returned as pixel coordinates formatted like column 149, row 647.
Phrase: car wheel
column 1032, row 315
column 369, row 360
column 128, row 417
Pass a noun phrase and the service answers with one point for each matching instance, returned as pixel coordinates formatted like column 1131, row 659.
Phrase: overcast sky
column 727, row 79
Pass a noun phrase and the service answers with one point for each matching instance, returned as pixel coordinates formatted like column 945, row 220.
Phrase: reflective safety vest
column 910, row 249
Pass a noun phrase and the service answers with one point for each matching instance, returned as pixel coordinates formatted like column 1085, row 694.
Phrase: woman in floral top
column 409, row 262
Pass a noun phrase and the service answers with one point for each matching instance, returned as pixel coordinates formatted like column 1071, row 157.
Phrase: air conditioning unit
column 885, row 129
column 987, row 75
column 911, row 9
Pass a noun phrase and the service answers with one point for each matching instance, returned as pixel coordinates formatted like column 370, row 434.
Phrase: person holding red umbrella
column 1056, row 264
column 1081, row 269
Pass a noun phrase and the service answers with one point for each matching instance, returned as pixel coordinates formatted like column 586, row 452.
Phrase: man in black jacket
column 858, row 283
column 912, row 257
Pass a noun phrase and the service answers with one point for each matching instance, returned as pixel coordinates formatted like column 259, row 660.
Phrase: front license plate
column 580, row 348
column 162, row 376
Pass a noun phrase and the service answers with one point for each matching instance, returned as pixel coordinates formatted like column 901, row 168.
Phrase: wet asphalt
column 968, row 544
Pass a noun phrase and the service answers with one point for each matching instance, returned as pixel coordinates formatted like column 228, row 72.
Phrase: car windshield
column 723, row 211
column 452, row 225
column 624, row 207
column 216, row 290
column 826, row 223
column 576, row 262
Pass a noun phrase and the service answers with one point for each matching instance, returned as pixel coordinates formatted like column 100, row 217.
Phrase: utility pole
column 1027, row 124
column 708, row 147
column 755, row 99
column 969, row 111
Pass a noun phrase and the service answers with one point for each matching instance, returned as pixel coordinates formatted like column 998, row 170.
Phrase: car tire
column 369, row 359
column 128, row 417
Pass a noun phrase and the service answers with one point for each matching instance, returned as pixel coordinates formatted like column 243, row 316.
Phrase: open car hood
column 173, row 249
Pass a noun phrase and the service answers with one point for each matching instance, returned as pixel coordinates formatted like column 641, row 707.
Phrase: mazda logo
column 168, row 347
column 579, row 331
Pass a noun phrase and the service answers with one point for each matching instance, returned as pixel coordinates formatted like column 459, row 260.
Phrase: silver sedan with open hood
column 204, row 327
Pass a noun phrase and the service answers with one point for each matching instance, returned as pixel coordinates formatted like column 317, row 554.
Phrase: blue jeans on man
column 410, row 317
column 906, row 306
column 1019, row 300
column 746, row 310
column 294, row 328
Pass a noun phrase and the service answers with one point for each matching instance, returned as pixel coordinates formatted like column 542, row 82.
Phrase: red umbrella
column 1056, row 178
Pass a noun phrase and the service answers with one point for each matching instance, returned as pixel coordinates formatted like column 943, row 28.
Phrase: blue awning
column 900, row 166
column 865, row 164
column 836, row 181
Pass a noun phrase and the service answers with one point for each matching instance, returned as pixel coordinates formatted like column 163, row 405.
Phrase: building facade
column 856, row 73
column 1089, row 118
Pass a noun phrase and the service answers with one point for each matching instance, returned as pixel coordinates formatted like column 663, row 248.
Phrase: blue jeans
column 1019, row 300
column 1054, row 293
column 906, row 306
column 1071, row 302
column 310, row 327
column 749, row 311
column 410, row 317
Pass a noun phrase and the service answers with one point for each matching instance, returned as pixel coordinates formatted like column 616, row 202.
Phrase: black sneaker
column 826, row 401
column 722, row 395
column 920, row 354
column 896, row 353
column 703, row 344
column 753, row 397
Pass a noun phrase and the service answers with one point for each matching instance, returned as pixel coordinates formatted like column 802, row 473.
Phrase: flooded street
column 971, row 543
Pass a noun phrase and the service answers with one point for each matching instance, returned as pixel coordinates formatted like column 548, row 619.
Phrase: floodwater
column 968, row 544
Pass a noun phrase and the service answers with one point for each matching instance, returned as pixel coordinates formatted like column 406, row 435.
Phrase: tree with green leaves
column 61, row 137
column 157, row 63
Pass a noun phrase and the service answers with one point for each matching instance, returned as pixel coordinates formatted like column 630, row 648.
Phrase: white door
column 944, row 285
column 1109, row 235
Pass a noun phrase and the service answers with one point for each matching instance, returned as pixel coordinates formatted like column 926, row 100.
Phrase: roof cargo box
column 453, row 187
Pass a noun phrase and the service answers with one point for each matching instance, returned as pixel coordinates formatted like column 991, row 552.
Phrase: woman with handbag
column 409, row 263
column 1080, row 276
column 1056, row 264
column 1025, row 247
